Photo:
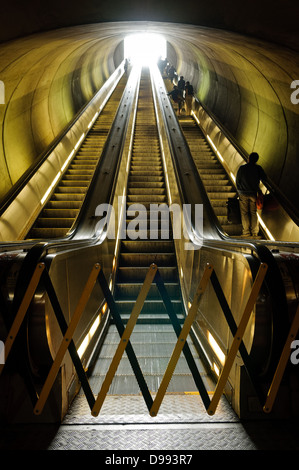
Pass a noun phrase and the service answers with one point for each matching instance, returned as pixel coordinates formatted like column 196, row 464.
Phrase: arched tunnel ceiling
column 243, row 81
column 275, row 20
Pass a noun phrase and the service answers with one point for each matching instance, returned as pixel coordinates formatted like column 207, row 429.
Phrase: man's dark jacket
column 248, row 179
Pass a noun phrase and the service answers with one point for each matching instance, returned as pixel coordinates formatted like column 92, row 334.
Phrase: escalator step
column 44, row 233
column 146, row 259
column 126, row 274
column 148, row 246
column 130, row 291
column 55, row 222
column 59, row 213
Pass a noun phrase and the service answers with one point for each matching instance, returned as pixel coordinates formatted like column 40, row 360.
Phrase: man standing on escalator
column 248, row 180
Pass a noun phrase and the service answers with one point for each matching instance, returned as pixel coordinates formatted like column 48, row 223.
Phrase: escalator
column 153, row 337
column 60, row 212
column 218, row 185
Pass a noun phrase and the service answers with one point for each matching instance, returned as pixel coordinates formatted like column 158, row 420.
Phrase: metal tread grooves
column 60, row 212
column 217, row 184
column 146, row 186
column 153, row 337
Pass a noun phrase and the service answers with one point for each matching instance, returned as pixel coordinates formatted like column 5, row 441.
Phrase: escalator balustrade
column 62, row 209
column 214, row 177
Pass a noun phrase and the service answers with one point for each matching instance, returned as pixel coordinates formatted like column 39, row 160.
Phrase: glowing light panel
column 144, row 49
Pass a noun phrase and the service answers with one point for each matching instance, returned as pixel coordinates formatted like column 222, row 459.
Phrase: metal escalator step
column 148, row 167
column 219, row 195
column 76, row 177
column 127, row 274
column 147, row 204
column 70, row 189
column 232, row 229
column 55, row 222
column 47, row 232
column 153, row 190
column 59, row 213
column 130, row 291
column 156, row 158
column 214, row 171
column 220, row 210
column 219, row 188
column 74, row 183
column 138, row 233
column 146, row 259
column 147, row 246
column 85, row 156
column 223, row 219
column 80, row 171
column 216, row 180
column 152, row 319
column 150, row 145
column 151, row 306
column 134, row 185
column 146, row 198
column 67, row 196
column 145, row 177
column 145, row 172
column 63, row 204
column 146, row 157
column 156, row 366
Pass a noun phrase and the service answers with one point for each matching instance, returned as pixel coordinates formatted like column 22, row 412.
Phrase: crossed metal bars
column 181, row 345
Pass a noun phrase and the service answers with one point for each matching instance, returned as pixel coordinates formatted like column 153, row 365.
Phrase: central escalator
column 153, row 337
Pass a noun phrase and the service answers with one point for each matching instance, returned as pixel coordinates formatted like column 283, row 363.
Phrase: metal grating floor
column 124, row 425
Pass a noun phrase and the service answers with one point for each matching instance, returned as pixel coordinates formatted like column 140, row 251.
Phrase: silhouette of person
column 177, row 97
column 248, row 180
column 181, row 84
column 188, row 97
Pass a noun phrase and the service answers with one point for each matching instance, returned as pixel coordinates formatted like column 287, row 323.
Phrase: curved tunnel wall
column 246, row 85
column 243, row 82
column 47, row 82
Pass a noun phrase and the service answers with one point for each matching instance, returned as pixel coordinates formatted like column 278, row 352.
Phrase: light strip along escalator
column 153, row 338
column 214, row 177
column 60, row 212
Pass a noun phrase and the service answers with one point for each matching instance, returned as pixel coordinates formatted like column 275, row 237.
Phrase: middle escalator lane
column 153, row 338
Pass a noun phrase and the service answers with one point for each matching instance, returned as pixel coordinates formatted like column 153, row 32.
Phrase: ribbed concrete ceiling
column 275, row 20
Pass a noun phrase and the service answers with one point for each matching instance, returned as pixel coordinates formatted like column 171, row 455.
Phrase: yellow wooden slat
column 22, row 310
column 66, row 339
column 271, row 395
column 124, row 339
column 237, row 338
column 181, row 340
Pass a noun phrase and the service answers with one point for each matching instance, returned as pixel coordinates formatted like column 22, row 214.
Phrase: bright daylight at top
column 144, row 49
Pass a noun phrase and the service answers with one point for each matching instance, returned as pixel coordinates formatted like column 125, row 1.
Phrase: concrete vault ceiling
column 241, row 58
column 275, row 20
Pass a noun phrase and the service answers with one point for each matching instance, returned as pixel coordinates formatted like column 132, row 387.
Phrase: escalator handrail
column 38, row 250
column 224, row 239
column 25, row 178
column 258, row 250
column 114, row 145
column 70, row 240
column 269, row 185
